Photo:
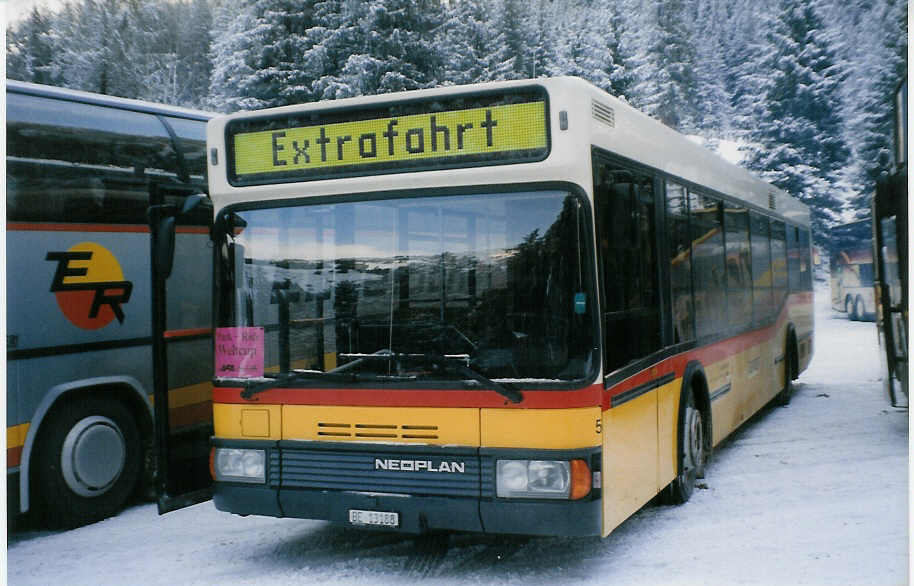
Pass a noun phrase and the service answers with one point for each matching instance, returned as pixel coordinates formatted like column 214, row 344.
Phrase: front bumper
column 316, row 480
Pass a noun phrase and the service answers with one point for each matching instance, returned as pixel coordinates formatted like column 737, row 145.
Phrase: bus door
column 182, row 345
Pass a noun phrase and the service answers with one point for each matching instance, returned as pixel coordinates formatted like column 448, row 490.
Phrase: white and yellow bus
column 517, row 307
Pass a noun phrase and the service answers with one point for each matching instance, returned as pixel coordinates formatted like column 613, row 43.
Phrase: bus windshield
column 415, row 290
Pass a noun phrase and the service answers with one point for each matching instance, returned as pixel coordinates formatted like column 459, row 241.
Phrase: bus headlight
column 533, row 479
column 543, row 479
column 236, row 465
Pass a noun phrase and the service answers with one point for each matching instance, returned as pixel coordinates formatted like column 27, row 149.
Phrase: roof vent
column 604, row 114
column 772, row 201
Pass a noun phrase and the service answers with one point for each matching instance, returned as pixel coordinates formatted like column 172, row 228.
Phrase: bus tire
column 790, row 371
column 849, row 308
column 860, row 308
column 692, row 452
column 88, row 462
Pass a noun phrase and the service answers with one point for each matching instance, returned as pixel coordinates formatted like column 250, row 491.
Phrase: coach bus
column 890, row 247
column 517, row 307
column 82, row 169
column 851, row 263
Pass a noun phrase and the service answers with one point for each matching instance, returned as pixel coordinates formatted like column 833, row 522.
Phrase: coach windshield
column 414, row 290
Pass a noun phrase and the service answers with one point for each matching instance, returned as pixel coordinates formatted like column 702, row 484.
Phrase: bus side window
column 761, row 268
column 624, row 202
column 739, row 273
column 677, row 218
column 708, row 264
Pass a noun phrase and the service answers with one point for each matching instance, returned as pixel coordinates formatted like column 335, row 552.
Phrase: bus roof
column 59, row 93
column 610, row 125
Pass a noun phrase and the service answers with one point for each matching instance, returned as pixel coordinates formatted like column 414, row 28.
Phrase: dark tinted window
column 778, row 263
column 72, row 162
column 739, row 275
column 708, row 264
column 191, row 139
column 761, row 268
column 680, row 240
column 627, row 243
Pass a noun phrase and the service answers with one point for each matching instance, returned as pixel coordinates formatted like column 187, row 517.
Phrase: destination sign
column 294, row 150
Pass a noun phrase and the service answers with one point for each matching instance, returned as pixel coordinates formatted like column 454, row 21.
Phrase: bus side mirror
column 162, row 221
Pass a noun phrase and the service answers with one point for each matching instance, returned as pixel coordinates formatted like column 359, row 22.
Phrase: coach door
column 182, row 345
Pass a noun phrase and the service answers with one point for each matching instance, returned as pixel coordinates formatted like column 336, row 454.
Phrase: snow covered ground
column 814, row 493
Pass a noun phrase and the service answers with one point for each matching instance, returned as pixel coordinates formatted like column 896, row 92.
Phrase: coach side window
column 74, row 162
column 626, row 234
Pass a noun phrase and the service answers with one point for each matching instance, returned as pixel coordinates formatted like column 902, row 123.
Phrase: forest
column 803, row 87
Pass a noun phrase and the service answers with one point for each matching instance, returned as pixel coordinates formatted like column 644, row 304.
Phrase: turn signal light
column 580, row 479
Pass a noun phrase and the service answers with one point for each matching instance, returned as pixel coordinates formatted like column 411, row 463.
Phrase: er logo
column 89, row 285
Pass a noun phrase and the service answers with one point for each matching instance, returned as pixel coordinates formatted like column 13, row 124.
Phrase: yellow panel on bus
column 550, row 429
column 407, row 425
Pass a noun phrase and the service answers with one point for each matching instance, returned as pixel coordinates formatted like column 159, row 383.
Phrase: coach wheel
column 88, row 462
column 692, row 451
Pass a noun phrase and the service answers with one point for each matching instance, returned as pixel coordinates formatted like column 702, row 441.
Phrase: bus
column 851, row 262
column 82, row 170
column 517, row 307
column 890, row 249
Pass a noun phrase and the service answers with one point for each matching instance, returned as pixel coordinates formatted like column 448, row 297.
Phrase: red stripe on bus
column 114, row 228
column 706, row 354
column 24, row 227
column 172, row 334
column 13, row 457
column 586, row 397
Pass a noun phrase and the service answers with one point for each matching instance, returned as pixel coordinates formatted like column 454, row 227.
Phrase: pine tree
column 30, row 48
column 797, row 142
column 467, row 39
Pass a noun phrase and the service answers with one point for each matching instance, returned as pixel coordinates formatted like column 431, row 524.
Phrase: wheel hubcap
column 93, row 456
column 694, row 440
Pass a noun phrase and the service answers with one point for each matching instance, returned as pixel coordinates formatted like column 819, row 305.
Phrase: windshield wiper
column 445, row 362
column 291, row 378
column 341, row 374
column 506, row 391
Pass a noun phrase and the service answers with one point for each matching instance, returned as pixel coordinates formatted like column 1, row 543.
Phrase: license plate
column 384, row 519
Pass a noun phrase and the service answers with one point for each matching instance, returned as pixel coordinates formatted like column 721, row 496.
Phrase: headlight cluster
column 542, row 479
column 235, row 465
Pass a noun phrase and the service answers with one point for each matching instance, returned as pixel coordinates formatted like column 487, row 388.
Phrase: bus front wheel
column 88, row 462
column 692, row 450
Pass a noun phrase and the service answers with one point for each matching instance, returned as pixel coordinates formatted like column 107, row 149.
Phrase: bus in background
column 851, row 262
column 517, row 307
column 82, row 170
column 890, row 247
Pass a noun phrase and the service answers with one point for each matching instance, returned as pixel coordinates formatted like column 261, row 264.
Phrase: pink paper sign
column 239, row 352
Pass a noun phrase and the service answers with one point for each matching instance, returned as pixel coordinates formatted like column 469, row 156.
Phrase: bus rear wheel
column 88, row 462
column 850, row 308
column 692, row 451
column 860, row 308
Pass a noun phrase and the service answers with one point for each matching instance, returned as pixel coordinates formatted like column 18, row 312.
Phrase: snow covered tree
column 260, row 54
column 796, row 136
column 30, row 48
column 874, row 46
column 466, row 41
